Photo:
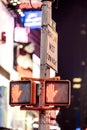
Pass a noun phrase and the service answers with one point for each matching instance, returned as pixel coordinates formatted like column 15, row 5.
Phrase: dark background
column 71, row 19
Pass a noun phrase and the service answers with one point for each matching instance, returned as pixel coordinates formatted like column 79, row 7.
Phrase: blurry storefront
column 15, row 62
column 12, row 117
column 6, row 58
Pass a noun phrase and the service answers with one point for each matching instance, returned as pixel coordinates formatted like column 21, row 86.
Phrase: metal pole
column 44, row 116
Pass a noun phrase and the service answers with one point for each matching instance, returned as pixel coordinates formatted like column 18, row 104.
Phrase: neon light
column 28, row 6
column 16, row 93
column 51, row 92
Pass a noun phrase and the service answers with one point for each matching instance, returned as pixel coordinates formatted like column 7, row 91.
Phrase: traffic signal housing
column 57, row 92
column 22, row 93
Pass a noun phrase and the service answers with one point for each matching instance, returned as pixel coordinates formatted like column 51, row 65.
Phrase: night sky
column 71, row 18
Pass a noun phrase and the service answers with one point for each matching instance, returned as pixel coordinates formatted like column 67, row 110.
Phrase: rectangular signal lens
column 20, row 92
column 57, row 92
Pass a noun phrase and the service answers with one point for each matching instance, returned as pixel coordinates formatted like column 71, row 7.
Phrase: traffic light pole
column 44, row 116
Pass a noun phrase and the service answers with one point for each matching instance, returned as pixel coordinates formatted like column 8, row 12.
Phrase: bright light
column 14, row 4
column 35, row 125
column 78, row 129
column 19, row 10
column 52, row 72
column 21, row 34
column 15, row 0
column 20, row 46
column 21, row 13
column 77, row 86
column 36, row 66
column 77, row 79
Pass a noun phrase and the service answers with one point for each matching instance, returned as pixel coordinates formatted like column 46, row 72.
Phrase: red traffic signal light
column 22, row 93
column 57, row 92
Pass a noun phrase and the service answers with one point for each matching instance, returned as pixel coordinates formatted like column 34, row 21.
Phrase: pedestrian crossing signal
column 22, row 93
column 57, row 92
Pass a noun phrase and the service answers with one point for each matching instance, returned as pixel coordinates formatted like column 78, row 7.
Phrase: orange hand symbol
column 51, row 93
column 16, row 93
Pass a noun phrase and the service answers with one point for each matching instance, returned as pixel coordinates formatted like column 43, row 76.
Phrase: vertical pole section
column 44, row 117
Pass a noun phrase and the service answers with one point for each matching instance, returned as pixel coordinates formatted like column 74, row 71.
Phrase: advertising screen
column 32, row 19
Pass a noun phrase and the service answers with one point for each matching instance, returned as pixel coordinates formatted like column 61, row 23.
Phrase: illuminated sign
column 21, row 34
column 32, row 19
column 21, row 92
column 57, row 92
